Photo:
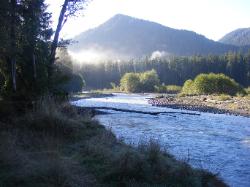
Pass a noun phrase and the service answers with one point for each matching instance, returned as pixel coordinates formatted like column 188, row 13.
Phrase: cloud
column 159, row 55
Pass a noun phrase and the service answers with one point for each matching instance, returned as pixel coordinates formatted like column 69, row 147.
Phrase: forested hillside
column 126, row 37
column 239, row 37
column 175, row 70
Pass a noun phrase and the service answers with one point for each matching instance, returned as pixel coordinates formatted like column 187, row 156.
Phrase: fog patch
column 96, row 55
column 159, row 55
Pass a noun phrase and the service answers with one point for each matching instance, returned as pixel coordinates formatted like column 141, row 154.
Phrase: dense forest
column 171, row 71
column 28, row 64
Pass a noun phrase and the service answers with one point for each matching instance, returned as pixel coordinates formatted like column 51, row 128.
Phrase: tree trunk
column 13, row 43
column 55, row 41
column 57, row 32
column 34, row 66
column 13, row 72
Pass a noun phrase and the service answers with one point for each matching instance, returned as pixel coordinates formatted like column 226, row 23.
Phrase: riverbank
column 205, row 103
column 55, row 145
column 89, row 94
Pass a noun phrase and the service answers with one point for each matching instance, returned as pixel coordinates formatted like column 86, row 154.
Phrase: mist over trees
column 172, row 71
column 128, row 37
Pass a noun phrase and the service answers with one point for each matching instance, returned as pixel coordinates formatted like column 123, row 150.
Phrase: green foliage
column 171, row 71
column 211, row 84
column 74, row 83
column 224, row 97
column 113, row 85
column 139, row 82
column 65, row 78
column 247, row 91
column 188, row 88
column 169, row 89
column 148, row 80
column 130, row 82
column 25, row 51
column 26, row 25
column 115, row 88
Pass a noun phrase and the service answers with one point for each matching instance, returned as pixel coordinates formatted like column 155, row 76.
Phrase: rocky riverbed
column 205, row 103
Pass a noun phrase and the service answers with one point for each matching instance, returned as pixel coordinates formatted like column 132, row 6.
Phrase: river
column 219, row 143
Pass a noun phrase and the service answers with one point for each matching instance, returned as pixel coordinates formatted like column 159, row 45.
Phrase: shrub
column 139, row 82
column 130, row 82
column 247, row 90
column 212, row 84
column 173, row 89
column 149, row 80
column 170, row 89
column 114, row 87
column 188, row 88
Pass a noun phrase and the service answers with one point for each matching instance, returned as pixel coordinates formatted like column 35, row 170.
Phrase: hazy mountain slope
column 239, row 37
column 133, row 37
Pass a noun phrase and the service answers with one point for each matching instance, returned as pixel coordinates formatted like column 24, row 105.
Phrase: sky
column 212, row 18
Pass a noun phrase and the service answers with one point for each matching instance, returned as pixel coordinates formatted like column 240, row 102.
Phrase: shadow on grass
column 51, row 145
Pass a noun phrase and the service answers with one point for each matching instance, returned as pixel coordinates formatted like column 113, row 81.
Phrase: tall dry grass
column 52, row 145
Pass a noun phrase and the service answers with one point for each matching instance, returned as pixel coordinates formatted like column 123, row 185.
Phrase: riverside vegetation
column 216, row 93
column 54, row 145
column 202, row 84
column 173, row 70
column 212, row 84
column 47, row 142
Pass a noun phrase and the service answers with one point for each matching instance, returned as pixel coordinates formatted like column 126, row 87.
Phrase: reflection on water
column 217, row 142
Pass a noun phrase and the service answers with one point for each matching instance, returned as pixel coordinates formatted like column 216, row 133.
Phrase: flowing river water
column 219, row 143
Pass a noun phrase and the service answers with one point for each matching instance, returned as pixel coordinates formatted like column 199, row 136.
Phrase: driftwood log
column 132, row 111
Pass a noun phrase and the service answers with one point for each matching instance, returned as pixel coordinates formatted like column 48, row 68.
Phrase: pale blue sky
column 212, row 18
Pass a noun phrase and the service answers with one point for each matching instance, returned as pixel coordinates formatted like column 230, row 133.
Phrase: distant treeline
column 171, row 71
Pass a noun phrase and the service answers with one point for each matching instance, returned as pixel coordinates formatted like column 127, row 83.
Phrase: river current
column 219, row 143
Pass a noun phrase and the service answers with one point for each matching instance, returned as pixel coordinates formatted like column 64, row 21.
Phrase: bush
column 130, row 82
column 188, row 88
column 212, row 84
column 149, row 80
column 67, row 81
column 139, row 82
column 247, row 90
column 169, row 89
column 74, row 84
column 114, row 88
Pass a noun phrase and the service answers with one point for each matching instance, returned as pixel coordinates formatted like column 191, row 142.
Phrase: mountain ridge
column 238, row 37
column 133, row 37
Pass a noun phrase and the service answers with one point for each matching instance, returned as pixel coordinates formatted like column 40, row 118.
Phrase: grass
column 91, row 94
column 223, row 97
column 247, row 90
column 52, row 145
column 173, row 89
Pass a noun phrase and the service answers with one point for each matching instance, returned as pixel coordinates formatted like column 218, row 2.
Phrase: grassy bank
column 91, row 94
column 52, row 145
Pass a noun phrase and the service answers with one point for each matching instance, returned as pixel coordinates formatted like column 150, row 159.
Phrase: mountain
column 239, row 37
column 125, row 36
